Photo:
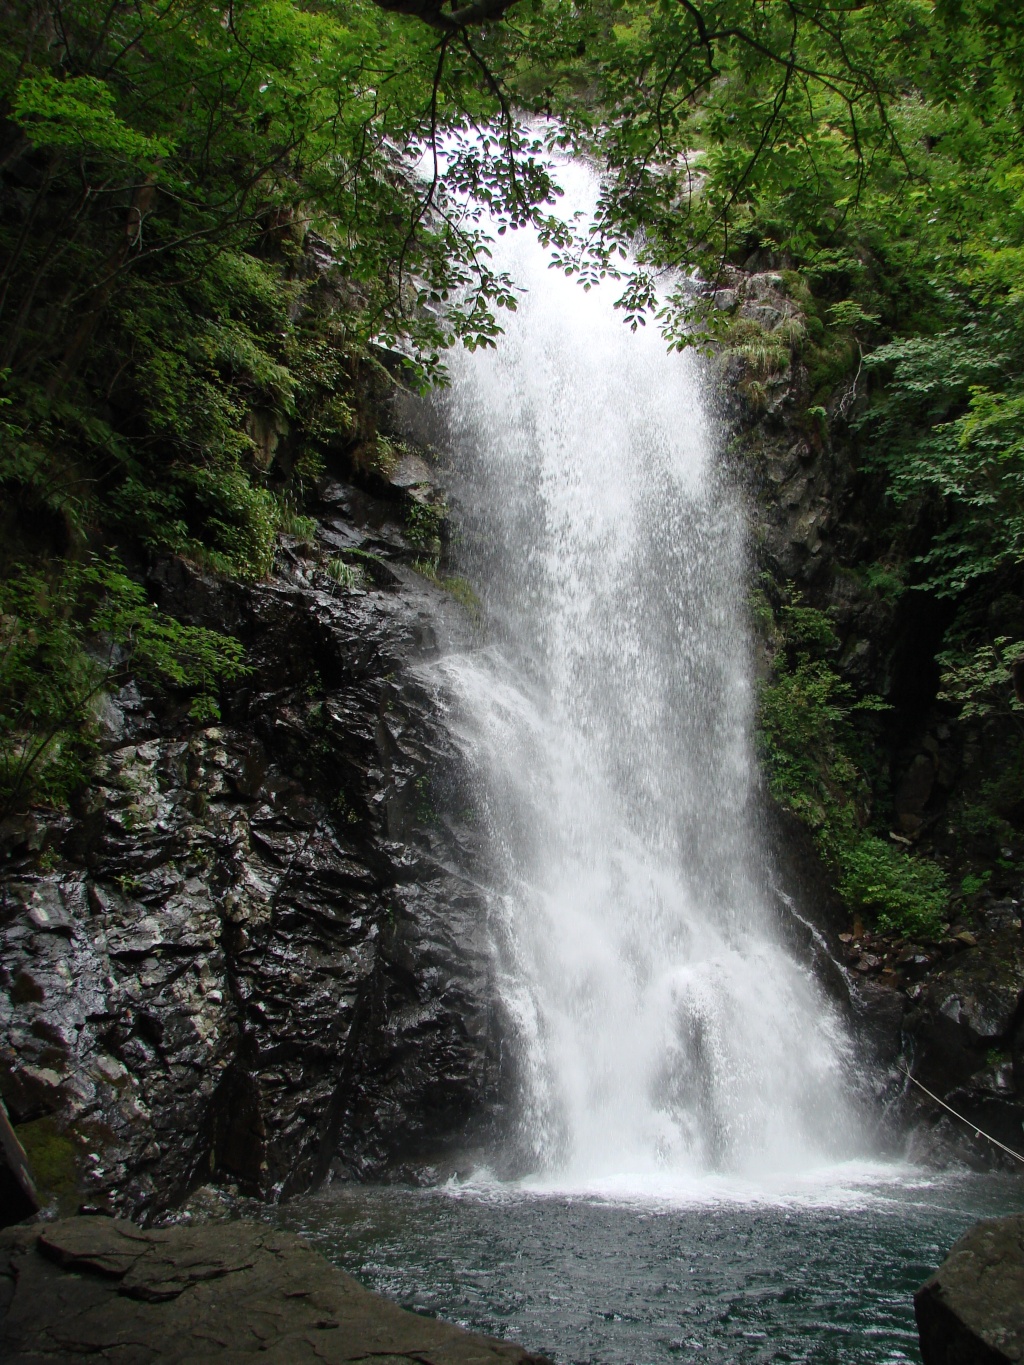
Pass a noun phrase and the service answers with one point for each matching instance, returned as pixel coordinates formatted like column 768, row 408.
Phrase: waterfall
column 659, row 1024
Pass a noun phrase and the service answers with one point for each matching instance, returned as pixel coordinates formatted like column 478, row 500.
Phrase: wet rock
column 965, row 1011
column 914, row 791
column 971, row 1312
column 105, row 1290
column 1004, row 914
column 250, row 959
column 20, row 834
column 866, row 962
column 411, row 472
column 984, row 1009
column 878, row 1016
column 962, row 1029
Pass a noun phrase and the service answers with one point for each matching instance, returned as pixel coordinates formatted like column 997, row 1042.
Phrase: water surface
column 821, row 1271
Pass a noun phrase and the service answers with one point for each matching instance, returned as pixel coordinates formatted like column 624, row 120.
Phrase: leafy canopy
column 215, row 215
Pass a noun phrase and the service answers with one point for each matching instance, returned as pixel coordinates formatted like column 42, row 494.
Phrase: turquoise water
column 713, row 1273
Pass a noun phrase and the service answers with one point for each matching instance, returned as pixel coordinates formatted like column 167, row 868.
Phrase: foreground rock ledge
column 971, row 1312
column 101, row 1289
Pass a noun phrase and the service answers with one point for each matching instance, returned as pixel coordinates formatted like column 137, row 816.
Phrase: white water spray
column 660, row 1025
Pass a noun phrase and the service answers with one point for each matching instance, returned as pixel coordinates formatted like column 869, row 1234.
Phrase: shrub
column 904, row 893
column 63, row 640
column 423, row 524
column 345, row 575
column 815, row 762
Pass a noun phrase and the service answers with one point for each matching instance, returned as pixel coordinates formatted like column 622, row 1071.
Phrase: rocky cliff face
column 950, row 1007
column 255, row 953
column 248, row 956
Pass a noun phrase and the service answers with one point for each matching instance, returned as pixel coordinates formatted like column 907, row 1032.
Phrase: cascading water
column 683, row 1088
column 660, row 1025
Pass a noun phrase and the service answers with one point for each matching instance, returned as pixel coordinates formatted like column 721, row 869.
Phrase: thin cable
column 978, row 1132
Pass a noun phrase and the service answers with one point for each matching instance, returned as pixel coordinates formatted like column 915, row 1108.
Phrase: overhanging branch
column 450, row 21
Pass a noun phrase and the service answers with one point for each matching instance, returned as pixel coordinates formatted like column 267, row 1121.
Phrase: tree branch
column 449, row 21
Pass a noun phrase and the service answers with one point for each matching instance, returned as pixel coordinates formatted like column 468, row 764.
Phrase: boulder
column 104, row 1289
column 971, row 1311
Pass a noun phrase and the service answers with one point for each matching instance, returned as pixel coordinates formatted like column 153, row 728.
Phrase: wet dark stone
column 104, row 1290
column 961, row 1028
column 878, row 1015
column 250, row 959
column 971, row 1312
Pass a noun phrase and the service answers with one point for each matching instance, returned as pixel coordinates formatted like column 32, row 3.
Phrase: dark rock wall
column 246, row 956
column 950, row 1009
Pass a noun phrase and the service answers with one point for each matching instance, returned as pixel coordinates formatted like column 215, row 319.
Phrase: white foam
column 660, row 1026
column 842, row 1185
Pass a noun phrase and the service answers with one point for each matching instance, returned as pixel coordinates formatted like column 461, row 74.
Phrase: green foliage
column 814, row 758
column 65, row 639
column 345, row 575
column 885, row 581
column 971, row 883
column 737, row 131
column 807, row 628
column 850, row 313
column 173, row 165
column 53, row 1160
column 79, row 112
column 981, row 683
column 830, row 363
column 385, row 455
column 212, row 333
column 459, row 588
column 295, row 524
column 944, row 432
column 904, row 893
column 462, row 590
column 210, row 221
column 987, row 814
column 423, row 526
column 205, row 135
column 805, row 736
column 765, row 359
